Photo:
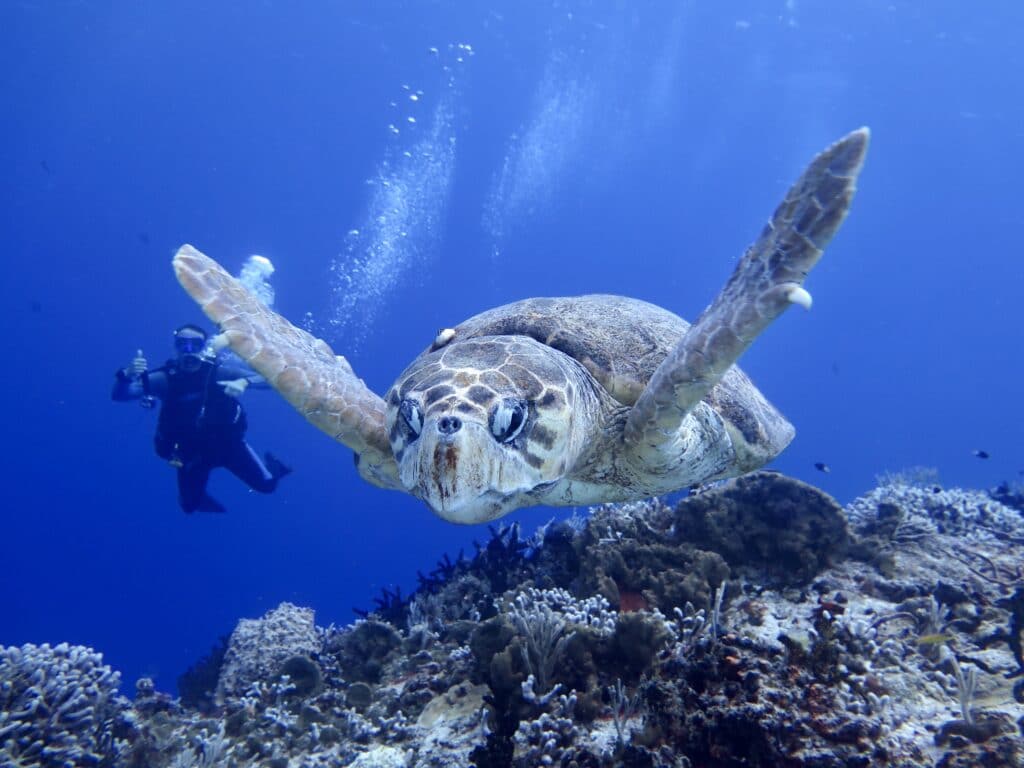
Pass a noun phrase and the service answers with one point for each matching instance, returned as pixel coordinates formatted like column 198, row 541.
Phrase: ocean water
column 408, row 164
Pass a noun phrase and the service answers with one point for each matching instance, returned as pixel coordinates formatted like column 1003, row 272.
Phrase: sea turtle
column 559, row 401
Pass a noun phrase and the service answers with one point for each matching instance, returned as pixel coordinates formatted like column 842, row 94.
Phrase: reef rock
column 260, row 648
column 767, row 526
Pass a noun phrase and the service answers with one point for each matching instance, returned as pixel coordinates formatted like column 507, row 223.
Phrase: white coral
column 57, row 706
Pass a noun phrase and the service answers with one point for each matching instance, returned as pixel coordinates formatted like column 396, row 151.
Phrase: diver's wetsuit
column 201, row 427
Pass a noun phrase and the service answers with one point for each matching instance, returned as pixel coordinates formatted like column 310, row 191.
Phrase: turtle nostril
column 449, row 425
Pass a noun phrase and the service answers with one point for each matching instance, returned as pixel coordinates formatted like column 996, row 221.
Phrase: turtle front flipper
column 304, row 369
column 766, row 281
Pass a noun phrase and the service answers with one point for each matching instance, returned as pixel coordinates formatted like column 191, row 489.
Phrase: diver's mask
column 189, row 345
column 190, row 348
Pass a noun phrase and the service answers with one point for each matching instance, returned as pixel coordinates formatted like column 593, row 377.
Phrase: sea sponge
column 259, row 647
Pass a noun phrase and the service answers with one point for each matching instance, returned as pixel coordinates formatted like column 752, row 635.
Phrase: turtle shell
column 620, row 341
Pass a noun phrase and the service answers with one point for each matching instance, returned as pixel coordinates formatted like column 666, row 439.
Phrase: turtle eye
column 507, row 420
column 410, row 412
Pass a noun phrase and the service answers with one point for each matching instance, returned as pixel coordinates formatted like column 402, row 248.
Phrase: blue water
column 558, row 148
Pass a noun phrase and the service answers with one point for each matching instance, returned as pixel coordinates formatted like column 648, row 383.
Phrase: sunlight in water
column 577, row 130
column 538, row 157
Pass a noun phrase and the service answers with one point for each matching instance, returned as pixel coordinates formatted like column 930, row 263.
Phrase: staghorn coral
column 59, row 706
column 548, row 740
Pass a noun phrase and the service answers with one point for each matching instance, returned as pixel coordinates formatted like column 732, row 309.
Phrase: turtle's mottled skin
column 579, row 365
column 560, row 401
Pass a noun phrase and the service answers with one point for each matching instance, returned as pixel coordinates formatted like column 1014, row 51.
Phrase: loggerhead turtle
column 558, row 401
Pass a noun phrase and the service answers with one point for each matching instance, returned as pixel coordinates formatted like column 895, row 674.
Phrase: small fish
column 822, row 467
column 981, row 454
column 935, row 639
column 45, row 166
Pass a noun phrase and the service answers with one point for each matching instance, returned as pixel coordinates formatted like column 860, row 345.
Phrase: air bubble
column 255, row 276
column 399, row 233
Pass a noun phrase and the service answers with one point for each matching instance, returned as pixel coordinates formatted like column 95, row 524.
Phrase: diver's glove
column 235, row 387
column 131, row 378
column 137, row 366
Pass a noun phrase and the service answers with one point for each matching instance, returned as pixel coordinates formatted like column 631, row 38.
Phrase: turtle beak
column 444, row 476
column 483, row 509
column 453, row 470
column 458, row 468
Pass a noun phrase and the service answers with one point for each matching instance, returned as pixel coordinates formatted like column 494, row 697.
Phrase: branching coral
column 58, row 706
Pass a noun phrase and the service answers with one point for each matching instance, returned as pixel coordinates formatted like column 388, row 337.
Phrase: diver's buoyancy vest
column 195, row 405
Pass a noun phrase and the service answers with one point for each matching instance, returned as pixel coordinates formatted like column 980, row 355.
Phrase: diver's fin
column 275, row 466
column 210, row 504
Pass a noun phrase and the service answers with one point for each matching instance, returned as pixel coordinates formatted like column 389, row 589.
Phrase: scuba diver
column 201, row 424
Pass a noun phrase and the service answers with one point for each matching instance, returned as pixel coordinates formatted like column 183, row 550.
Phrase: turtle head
column 478, row 427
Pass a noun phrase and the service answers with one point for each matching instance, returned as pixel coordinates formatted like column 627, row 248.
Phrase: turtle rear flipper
column 766, row 281
column 318, row 384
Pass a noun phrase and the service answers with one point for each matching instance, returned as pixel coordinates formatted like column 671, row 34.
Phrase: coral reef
column 259, row 649
column 59, row 706
column 768, row 526
column 754, row 623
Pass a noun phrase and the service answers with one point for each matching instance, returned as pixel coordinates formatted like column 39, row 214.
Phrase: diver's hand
column 234, row 387
column 137, row 366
